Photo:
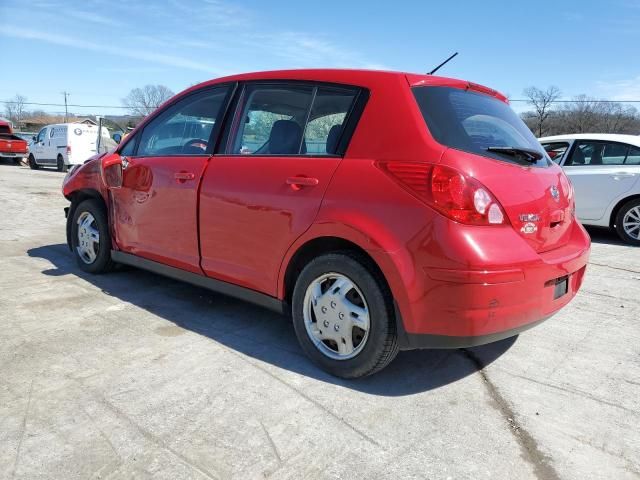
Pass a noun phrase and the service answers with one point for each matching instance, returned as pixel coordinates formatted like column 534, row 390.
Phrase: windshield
column 474, row 122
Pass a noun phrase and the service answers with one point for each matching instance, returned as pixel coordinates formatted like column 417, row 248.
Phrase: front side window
column 475, row 123
column 184, row 128
column 41, row 135
column 597, row 153
column 291, row 120
column 556, row 150
column 129, row 148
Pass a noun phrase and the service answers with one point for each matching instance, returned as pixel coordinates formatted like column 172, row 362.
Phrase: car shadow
column 265, row 335
column 9, row 162
column 604, row 235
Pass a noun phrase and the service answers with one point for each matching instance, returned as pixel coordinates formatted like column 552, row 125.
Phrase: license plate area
column 561, row 287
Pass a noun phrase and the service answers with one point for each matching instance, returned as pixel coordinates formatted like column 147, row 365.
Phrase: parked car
column 11, row 146
column 26, row 136
column 430, row 218
column 64, row 144
column 605, row 172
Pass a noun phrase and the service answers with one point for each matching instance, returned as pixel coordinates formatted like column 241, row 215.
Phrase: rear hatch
column 490, row 143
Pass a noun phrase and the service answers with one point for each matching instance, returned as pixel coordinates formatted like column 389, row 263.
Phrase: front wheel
column 343, row 315
column 32, row 163
column 62, row 167
column 628, row 222
column 90, row 237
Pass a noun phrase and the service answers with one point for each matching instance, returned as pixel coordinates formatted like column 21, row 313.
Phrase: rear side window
column 473, row 122
column 633, row 157
column 597, row 153
column 327, row 120
column 291, row 120
column 186, row 127
column 556, row 150
column 272, row 120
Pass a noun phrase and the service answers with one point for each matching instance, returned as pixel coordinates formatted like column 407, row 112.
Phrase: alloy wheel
column 631, row 223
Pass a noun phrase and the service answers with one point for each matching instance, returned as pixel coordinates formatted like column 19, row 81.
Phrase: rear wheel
column 628, row 222
column 343, row 315
column 32, row 163
column 62, row 167
column 90, row 237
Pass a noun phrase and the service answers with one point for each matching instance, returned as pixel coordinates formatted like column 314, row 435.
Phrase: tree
column 14, row 109
column 142, row 101
column 542, row 101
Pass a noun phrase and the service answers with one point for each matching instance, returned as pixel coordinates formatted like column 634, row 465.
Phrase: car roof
column 609, row 137
column 357, row 77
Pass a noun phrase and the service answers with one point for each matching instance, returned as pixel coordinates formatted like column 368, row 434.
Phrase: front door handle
column 184, row 176
column 298, row 182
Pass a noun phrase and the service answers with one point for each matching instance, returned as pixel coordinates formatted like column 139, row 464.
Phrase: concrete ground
column 131, row 375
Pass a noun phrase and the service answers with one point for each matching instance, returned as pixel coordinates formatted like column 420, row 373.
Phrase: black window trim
column 575, row 143
column 215, row 131
column 351, row 120
column 570, row 142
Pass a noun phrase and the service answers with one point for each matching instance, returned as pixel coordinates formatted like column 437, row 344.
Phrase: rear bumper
column 468, row 307
column 414, row 341
column 14, row 154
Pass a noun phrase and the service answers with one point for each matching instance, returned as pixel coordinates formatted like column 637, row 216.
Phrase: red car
column 382, row 210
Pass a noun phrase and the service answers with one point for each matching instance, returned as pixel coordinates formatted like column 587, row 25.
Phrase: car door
column 597, row 171
column 155, row 210
column 265, row 187
column 38, row 147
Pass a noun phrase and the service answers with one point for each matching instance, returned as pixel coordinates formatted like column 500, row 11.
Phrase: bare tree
column 142, row 101
column 14, row 109
column 542, row 101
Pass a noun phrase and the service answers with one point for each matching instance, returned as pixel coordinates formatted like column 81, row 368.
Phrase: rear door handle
column 619, row 175
column 298, row 182
column 184, row 176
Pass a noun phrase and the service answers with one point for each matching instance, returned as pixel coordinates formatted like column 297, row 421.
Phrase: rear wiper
column 528, row 154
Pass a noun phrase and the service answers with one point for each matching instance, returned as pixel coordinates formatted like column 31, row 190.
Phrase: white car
column 605, row 172
column 65, row 144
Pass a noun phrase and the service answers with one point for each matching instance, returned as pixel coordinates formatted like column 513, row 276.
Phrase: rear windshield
column 472, row 122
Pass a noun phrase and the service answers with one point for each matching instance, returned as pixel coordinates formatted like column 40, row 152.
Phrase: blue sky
column 98, row 50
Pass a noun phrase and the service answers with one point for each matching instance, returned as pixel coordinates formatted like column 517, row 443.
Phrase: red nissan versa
column 383, row 210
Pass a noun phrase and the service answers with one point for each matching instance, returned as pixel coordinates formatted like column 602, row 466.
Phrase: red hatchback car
column 383, row 210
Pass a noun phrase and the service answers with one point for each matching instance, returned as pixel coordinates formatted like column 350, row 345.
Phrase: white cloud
column 625, row 89
column 81, row 43
column 93, row 18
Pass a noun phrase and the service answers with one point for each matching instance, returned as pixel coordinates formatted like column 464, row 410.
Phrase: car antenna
column 442, row 64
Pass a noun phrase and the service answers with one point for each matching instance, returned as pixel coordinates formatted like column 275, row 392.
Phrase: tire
column 32, row 163
column 62, row 167
column 368, row 294
column 629, row 213
column 91, row 256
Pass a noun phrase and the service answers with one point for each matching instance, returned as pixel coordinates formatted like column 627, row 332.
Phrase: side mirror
column 34, row 138
column 117, row 137
column 112, row 170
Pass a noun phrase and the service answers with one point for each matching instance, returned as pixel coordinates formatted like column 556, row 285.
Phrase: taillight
column 68, row 149
column 567, row 189
column 457, row 196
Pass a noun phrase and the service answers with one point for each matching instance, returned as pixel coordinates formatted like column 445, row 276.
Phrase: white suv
column 605, row 172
